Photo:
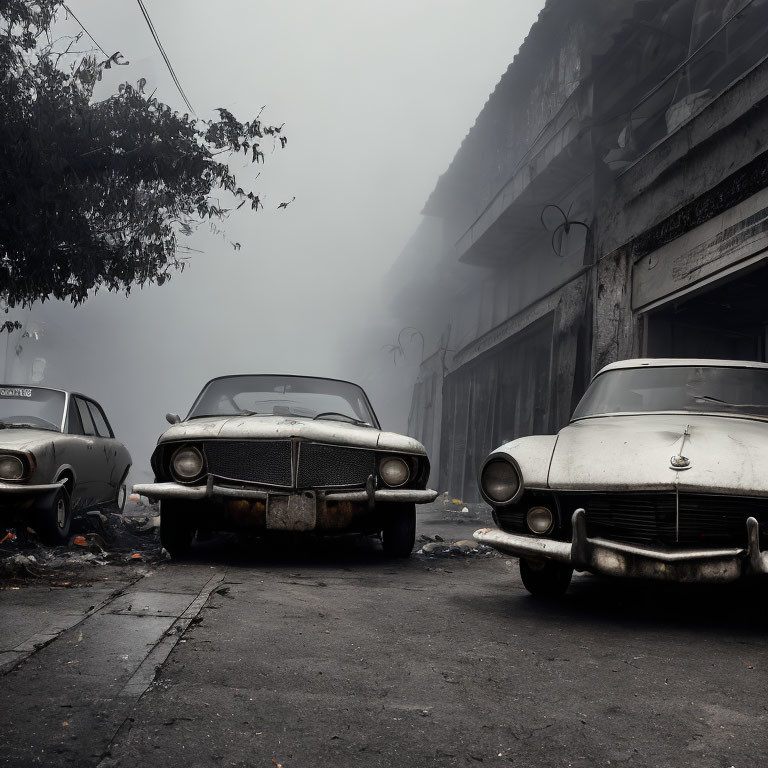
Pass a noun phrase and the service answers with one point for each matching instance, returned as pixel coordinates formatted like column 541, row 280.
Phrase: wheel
column 398, row 532
column 54, row 521
column 543, row 578
column 120, row 499
column 177, row 527
column 117, row 505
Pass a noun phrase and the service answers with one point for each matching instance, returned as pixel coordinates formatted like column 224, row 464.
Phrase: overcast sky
column 376, row 98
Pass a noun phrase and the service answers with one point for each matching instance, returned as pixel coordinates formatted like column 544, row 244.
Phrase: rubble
column 437, row 547
column 98, row 539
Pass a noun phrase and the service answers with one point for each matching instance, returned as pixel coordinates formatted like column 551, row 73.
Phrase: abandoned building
column 610, row 201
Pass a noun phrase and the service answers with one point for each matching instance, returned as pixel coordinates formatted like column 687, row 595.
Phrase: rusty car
column 266, row 454
column 660, row 474
column 58, row 458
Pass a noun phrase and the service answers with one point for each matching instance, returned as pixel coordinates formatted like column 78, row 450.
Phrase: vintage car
column 58, row 457
column 264, row 453
column 661, row 474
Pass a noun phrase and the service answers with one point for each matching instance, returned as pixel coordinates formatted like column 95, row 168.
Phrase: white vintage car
column 662, row 473
column 265, row 453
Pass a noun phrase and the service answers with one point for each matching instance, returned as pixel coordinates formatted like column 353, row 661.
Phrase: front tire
column 398, row 533
column 54, row 521
column 545, row 579
column 177, row 527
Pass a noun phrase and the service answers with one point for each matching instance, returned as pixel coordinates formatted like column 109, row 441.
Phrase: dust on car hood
column 286, row 427
column 26, row 438
column 634, row 453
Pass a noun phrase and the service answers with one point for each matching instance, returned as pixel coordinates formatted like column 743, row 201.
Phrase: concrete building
column 610, row 201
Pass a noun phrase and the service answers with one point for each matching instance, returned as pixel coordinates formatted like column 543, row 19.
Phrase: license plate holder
column 294, row 512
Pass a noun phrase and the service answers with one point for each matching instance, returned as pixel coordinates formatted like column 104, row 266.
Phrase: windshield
column 300, row 396
column 699, row 389
column 31, row 407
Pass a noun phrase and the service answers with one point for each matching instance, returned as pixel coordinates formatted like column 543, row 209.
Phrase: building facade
column 611, row 201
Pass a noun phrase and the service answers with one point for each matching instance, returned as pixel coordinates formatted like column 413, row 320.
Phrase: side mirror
column 172, row 418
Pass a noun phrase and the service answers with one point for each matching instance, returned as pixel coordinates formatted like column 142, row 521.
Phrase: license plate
column 291, row 513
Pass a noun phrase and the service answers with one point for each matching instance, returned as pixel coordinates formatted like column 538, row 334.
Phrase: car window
column 99, row 419
column 297, row 396
column 32, row 406
column 694, row 388
column 74, row 422
column 85, row 416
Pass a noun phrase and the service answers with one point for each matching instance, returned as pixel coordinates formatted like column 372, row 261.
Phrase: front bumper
column 617, row 559
column 14, row 491
column 211, row 490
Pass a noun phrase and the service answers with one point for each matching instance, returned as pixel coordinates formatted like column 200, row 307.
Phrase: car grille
column 333, row 466
column 267, row 462
column 704, row 521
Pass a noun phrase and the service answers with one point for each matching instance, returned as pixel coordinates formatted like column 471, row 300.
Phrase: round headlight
column 187, row 463
column 539, row 520
column 499, row 481
column 11, row 468
column 394, row 471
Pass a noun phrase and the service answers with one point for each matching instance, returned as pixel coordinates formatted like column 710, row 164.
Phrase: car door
column 78, row 453
column 94, row 469
column 111, row 451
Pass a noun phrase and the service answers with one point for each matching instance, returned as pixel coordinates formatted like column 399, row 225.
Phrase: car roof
column 668, row 362
column 283, row 376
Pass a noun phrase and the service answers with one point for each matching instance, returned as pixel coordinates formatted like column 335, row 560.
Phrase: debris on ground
column 97, row 539
column 437, row 547
column 458, row 511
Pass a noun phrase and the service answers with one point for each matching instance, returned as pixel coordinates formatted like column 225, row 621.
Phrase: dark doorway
column 726, row 321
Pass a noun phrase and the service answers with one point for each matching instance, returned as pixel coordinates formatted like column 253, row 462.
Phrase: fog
column 376, row 99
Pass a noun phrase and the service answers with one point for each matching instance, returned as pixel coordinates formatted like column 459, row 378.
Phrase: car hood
column 632, row 453
column 284, row 427
column 26, row 439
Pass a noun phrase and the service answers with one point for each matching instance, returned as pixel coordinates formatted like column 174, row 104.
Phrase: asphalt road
column 328, row 654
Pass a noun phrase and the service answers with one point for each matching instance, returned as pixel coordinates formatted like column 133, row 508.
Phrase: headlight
column 394, row 471
column 11, row 468
column 187, row 463
column 539, row 520
column 499, row 481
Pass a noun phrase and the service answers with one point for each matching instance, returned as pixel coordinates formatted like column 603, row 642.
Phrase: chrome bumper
column 616, row 559
column 12, row 489
column 210, row 490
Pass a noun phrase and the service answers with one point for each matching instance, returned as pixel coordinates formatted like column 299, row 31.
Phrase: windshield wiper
column 343, row 415
column 710, row 399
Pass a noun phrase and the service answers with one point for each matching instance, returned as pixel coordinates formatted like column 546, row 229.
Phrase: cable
column 69, row 11
column 164, row 55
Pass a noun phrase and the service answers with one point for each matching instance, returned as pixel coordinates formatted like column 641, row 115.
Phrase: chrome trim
column 628, row 560
column 20, row 490
column 197, row 492
column 389, row 494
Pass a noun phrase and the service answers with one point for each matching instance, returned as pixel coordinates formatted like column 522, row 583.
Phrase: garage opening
column 725, row 321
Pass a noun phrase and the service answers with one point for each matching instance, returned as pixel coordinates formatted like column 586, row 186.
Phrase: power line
column 164, row 55
column 69, row 11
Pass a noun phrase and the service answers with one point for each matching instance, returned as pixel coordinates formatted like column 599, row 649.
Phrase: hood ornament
column 680, row 462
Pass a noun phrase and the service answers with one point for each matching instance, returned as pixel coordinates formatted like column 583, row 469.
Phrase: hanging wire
column 168, row 64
